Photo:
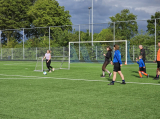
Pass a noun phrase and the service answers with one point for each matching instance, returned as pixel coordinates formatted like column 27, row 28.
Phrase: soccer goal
column 57, row 62
column 83, row 51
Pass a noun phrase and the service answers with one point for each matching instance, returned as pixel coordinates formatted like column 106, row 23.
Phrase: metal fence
column 24, row 36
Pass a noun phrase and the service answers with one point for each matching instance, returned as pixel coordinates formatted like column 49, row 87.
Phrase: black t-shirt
column 108, row 56
column 142, row 52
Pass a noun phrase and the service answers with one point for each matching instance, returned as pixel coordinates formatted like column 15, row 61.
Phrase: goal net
column 83, row 51
column 57, row 62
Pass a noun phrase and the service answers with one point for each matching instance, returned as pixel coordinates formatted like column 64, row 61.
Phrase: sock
column 140, row 74
column 157, row 76
column 123, row 80
column 113, row 81
column 145, row 73
column 103, row 73
column 107, row 71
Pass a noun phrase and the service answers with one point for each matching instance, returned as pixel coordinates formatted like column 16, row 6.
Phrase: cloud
column 103, row 9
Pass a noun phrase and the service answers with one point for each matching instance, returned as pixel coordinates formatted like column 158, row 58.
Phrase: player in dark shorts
column 117, row 65
column 108, row 56
column 141, row 67
column 158, row 63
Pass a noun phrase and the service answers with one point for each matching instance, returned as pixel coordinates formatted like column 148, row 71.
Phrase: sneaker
column 148, row 76
column 156, row 78
column 140, row 77
column 52, row 69
column 123, row 83
column 111, row 83
column 102, row 76
column 110, row 74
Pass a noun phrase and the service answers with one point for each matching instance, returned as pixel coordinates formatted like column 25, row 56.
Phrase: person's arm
column 44, row 57
column 143, row 64
column 137, row 61
column 111, row 56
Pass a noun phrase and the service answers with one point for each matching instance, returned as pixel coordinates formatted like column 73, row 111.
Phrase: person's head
column 48, row 51
column 116, row 47
column 140, row 57
column 109, row 48
column 140, row 47
column 159, row 44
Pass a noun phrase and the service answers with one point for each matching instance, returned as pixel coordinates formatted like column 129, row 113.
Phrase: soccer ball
column 45, row 73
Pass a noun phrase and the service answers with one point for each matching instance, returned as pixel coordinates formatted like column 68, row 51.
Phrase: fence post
column 114, row 32
column 96, row 52
column 79, row 42
column 133, row 52
column 155, row 39
column 12, row 53
column 36, row 53
column 23, row 43
column 0, row 40
column 49, row 37
column 1, row 52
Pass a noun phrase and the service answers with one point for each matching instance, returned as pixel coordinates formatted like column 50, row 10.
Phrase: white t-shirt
column 47, row 55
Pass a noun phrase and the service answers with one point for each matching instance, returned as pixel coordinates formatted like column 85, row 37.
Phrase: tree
column 105, row 35
column 48, row 13
column 13, row 15
column 151, row 25
column 124, row 27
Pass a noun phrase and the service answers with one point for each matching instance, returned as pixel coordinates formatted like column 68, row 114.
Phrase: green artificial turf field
column 78, row 93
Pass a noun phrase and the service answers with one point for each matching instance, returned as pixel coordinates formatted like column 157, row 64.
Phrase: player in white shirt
column 48, row 60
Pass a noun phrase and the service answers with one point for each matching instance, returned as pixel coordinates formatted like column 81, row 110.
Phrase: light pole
column 89, row 19
column 92, row 22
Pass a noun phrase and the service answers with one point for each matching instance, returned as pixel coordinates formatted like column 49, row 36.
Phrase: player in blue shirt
column 141, row 67
column 117, row 65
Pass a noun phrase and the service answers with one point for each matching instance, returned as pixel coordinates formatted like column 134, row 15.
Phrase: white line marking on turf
column 36, row 77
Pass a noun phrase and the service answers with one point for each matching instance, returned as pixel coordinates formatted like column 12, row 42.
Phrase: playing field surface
column 78, row 93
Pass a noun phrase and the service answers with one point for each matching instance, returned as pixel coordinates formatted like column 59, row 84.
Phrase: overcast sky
column 103, row 9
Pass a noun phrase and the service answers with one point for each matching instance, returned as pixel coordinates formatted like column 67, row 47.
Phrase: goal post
column 84, row 51
column 57, row 62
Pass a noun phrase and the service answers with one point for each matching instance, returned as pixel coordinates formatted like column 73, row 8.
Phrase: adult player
column 48, row 60
column 108, row 56
column 158, row 63
column 117, row 65
column 142, row 52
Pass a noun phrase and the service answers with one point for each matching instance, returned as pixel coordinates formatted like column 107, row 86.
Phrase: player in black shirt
column 142, row 52
column 108, row 56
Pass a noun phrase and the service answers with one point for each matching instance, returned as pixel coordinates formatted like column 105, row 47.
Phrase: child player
column 141, row 67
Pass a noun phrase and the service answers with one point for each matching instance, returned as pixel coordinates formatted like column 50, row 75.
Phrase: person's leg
column 140, row 74
column 50, row 64
column 47, row 64
column 157, row 71
column 104, row 68
column 145, row 66
column 122, row 77
column 114, row 78
column 120, row 73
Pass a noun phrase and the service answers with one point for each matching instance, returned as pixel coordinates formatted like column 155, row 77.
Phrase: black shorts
column 141, row 69
column 158, row 64
column 117, row 67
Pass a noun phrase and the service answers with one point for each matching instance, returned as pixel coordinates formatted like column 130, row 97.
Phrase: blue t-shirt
column 141, row 63
column 117, row 57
